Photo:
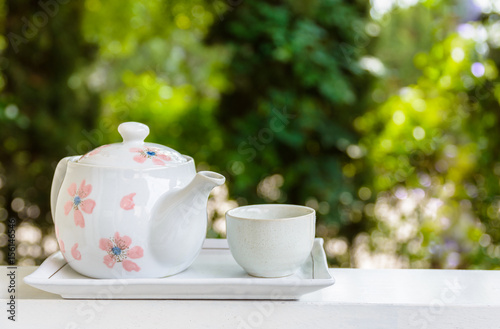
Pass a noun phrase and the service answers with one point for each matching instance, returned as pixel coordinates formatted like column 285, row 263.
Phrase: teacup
column 270, row 240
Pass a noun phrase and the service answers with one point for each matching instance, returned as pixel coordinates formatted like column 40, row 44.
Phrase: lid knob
column 133, row 132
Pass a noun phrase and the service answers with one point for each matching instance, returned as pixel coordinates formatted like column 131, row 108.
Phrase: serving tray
column 213, row 275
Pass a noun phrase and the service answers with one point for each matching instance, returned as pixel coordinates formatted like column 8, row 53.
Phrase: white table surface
column 359, row 299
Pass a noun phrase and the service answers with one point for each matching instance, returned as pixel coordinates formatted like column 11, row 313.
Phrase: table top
column 359, row 299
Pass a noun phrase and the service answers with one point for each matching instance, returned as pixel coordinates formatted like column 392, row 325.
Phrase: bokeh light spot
column 445, row 81
column 17, row 204
column 269, row 187
column 419, row 105
column 364, row 193
column 419, row 133
column 398, row 117
column 354, row 151
column 349, row 170
column 11, row 111
column 345, row 198
column 165, row 92
column 477, row 69
column 457, row 54
column 323, row 208
column 182, row 21
column 386, row 144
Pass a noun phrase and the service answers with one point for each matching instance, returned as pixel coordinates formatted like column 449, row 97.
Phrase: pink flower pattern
column 93, row 152
column 61, row 246
column 118, row 249
column 75, row 252
column 152, row 153
column 78, row 203
column 127, row 202
column 61, row 242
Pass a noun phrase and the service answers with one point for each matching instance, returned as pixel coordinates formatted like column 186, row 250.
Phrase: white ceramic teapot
column 131, row 209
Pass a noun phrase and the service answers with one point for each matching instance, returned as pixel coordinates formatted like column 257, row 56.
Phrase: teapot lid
column 133, row 152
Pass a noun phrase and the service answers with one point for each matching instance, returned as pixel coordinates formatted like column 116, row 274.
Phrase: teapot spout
column 190, row 200
column 205, row 181
column 179, row 220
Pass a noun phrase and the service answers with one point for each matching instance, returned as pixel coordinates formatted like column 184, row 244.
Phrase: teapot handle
column 57, row 183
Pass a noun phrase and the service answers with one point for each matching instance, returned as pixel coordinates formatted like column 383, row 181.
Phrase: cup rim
column 310, row 210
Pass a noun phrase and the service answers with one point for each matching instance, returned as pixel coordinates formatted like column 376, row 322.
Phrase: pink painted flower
column 127, row 202
column 93, row 152
column 61, row 246
column 61, row 242
column 152, row 153
column 78, row 202
column 75, row 253
column 118, row 249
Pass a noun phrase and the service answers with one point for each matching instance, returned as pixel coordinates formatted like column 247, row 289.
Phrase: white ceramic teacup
column 270, row 240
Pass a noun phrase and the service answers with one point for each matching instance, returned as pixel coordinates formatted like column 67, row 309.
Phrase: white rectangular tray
column 213, row 275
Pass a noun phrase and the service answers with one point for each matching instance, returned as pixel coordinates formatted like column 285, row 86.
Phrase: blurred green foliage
column 40, row 114
column 432, row 145
column 295, row 81
column 433, row 149
column 382, row 119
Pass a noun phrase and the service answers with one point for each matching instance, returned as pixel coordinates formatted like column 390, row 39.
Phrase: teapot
column 130, row 209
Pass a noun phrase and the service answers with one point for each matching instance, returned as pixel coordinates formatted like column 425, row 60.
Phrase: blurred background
column 383, row 115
